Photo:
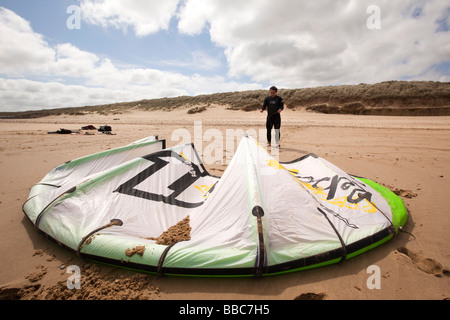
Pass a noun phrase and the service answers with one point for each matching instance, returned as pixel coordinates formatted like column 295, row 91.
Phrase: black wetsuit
column 273, row 117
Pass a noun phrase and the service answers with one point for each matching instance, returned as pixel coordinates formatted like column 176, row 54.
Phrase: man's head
column 273, row 91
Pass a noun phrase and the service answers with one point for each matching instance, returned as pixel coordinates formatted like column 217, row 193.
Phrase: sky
column 71, row 53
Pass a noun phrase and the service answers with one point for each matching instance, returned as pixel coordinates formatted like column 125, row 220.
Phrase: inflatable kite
column 156, row 209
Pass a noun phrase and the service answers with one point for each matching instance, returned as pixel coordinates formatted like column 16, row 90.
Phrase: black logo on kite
column 177, row 187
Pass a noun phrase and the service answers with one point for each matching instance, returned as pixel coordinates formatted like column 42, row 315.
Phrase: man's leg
column 269, row 126
column 277, row 125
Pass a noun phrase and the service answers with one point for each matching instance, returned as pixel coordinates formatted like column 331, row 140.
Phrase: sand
column 177, row 233
column 410, row 155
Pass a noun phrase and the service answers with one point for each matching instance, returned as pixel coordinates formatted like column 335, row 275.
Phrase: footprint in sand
column 425, row 264
column 404, row 193
column 37, row 276
column 311, row 296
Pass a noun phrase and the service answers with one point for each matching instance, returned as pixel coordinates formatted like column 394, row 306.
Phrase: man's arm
column 280, row 105
column 264, row 106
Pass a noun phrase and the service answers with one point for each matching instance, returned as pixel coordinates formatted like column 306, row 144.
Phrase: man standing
column 274, row 105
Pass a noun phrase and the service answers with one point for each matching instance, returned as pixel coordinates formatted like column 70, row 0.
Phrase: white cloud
column 24, row 55
column 72, row 62
column 308, row 43
column 20, row 48
column 199, row 60
column 143, row 16
column 23, row 94
column 288, row 43
column 193, row 16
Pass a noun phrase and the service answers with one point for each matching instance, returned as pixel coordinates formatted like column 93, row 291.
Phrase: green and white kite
column 262, row 217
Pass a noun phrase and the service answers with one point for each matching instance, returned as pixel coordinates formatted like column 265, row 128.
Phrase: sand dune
column 391, row 98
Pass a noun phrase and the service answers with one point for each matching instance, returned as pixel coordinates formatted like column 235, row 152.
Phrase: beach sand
column 410, row 155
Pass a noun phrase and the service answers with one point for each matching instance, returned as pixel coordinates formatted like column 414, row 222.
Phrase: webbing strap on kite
column 402, row 230
column 344, row 249
column 357, row 182
column 39, row 217
column 114, row 222
column 159, row 268
column 258, row 212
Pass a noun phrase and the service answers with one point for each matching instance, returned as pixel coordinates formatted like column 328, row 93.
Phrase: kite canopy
column 261, row 217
